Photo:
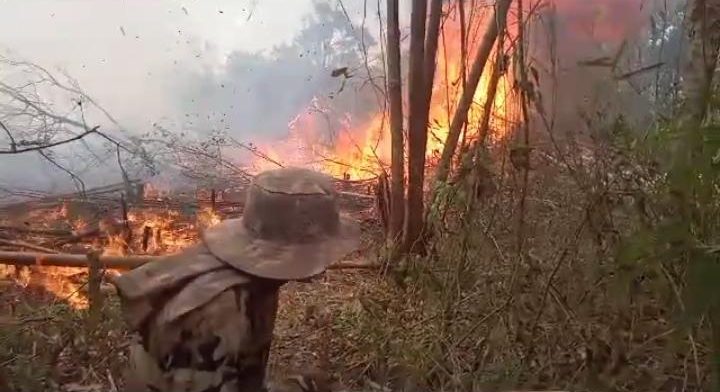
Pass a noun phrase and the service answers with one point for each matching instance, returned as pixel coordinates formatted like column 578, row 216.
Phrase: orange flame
column 359, row 152
column 153, row 232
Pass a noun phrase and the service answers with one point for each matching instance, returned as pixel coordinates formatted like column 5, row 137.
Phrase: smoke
column 194, row 70
column 596, row 45
column 255, row 95
column 250, row 71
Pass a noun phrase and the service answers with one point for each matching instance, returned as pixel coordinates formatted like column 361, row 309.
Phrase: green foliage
column 681, row 242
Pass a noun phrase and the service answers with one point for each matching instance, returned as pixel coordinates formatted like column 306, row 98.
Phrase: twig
column 79, row 183
column 555, row 270
column 29, row 230
column 113, row 386
column 13, row 144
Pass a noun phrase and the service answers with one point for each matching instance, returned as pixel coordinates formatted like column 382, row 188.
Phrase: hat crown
column 291, row 205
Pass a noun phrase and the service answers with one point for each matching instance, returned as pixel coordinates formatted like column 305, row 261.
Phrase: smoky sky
column 256, row 95
column 246, row 67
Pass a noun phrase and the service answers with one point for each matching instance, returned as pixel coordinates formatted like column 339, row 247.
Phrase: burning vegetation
column 536, row 183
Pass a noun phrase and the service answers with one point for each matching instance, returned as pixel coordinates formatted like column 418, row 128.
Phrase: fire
column 155, row 231
column 362, row 151
column 159, row 232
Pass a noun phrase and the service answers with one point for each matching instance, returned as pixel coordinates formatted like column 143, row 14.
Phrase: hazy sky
column 157, row 61
column 135, row 74
column 143, row 60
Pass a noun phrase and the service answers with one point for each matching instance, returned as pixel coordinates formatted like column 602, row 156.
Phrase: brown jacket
column 199, row 325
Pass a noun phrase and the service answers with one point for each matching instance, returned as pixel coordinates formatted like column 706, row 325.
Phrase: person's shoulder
column 166, row 272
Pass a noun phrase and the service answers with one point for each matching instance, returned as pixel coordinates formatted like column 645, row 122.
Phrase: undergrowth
column 55, row 347
column 616, row 289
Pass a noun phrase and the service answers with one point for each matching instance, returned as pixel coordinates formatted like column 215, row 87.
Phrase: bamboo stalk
column 73, row 260
column 114, row 262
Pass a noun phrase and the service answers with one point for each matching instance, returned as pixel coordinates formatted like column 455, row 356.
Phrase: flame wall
column 360, row 150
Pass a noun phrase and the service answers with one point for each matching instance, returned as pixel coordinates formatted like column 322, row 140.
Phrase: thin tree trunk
column 417, row 130
column 414, row 241
column 704, row 48
column 525, row 127
column 463, row 57
column 397, row 169
column 431, row 45
column 497, row 23
column 498, row 70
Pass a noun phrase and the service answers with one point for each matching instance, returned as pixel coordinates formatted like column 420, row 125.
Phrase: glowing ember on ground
column 155, row 231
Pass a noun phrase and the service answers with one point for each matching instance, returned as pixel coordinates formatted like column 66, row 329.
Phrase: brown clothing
column 199, row 325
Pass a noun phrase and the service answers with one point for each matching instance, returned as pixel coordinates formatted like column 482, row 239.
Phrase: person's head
column 291, row 227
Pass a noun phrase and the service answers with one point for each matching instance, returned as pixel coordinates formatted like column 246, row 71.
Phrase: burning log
column 147, row 233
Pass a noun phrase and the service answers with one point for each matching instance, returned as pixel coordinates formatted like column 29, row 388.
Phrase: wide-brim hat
column 291, row 227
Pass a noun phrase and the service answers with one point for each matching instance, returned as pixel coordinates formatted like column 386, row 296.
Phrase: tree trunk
column 497, row 23
column 498, row 71
column 397, row 169
column 704, row 28
column 417, row 130
column 431, row 45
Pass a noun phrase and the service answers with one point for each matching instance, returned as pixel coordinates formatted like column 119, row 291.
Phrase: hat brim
column 230, row 242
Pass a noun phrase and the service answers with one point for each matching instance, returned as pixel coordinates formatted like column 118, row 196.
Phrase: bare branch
column 79, row 183
column 15, row 150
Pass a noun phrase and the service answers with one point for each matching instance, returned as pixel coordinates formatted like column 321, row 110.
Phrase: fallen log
column 113, row 262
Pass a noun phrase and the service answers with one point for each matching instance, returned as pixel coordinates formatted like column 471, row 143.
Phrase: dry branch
column 22, row 244
column 79, row 236
column 497, row 24
column 14, row 150
column 29, row 230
